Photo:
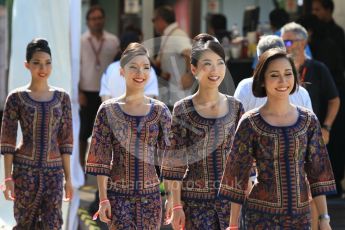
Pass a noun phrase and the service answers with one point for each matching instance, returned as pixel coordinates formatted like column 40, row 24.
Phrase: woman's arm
column 104, row 204
column 66, row 162
column 9, row 190
column 174, row 205
column 235, row 214
column 321, row 205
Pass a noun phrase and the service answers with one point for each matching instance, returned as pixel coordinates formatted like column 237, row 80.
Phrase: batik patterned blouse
column 285, row 157
column 199, row 148
column 126, row 148
column 46, row 127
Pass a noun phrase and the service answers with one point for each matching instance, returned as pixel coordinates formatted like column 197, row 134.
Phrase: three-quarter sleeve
column 163, row 135
column 100, row 153
column 174, row 163
column 318, row 166
column 65, row 137
column 238, row 165
column 9, row 125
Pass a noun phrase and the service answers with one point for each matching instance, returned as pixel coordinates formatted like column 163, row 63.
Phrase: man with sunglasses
column 316, row 78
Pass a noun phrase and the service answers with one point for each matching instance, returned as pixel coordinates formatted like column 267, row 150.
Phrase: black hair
column 94, row 8
column 265, row 59
column 278, row 18
column 312, row 23
column 218, row 22
column 327, row 4
column 37, row 45
column 166, row 13
column 129, row 35
column 203, row 42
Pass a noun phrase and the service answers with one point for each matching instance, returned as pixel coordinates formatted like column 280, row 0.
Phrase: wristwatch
column 327, row 127
column 324, row 217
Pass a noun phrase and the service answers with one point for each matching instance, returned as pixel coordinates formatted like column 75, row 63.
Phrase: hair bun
column 205, row 38
column 41, row 42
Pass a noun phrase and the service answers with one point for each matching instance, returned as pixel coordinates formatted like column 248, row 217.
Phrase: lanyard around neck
column 97, row 52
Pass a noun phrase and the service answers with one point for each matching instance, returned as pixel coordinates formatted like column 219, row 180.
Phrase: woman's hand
column 104, row 212
column 324, row 225
column 68, row 190
column 9, row 190
column 178, row 219
column 168, row 210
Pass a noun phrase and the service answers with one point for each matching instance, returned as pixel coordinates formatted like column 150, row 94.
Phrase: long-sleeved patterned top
column 199, row 148
column 126, row 148
column 284, row 156
column 46, row 127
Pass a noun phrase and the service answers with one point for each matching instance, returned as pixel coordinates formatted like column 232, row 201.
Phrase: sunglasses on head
column 289, row 43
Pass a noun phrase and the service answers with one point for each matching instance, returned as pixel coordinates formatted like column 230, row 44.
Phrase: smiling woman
column 286, row 144
column 129, row 137
column 36, row 170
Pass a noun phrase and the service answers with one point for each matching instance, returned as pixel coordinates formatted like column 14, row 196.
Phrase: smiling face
column 210, row 69
column 40, row 65
column 279, row 78
column 136, row 72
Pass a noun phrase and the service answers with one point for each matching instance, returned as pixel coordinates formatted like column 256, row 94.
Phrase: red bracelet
column 8, row 179
column 103, row 201
column 177, row 207
column 232, row 227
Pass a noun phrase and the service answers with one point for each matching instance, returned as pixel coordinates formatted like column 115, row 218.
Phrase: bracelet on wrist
column 326, row 127
column 8, row 179
column 176, row 207
column 232, row 227
column 324, row 217
column 104, row 201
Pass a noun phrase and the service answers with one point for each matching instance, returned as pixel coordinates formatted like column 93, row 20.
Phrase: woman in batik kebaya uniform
column 286, row 142
column 130, row 134
column 36, row 169
column 202, row 131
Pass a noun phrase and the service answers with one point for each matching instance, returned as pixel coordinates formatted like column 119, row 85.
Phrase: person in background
column 323, row 9
column 314, row 76
column 202, row 131
column 98, row 49
column 173, row 59
column 39, row 168
column 130, row 135
column 244, row 92
column 218, row 27
column 286, row 142
column 113, row 84
column 278, row 18
column 317, row 80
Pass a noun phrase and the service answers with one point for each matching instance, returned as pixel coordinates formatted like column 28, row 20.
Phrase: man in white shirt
column 173, row 58
column 98, row 49
column 244, row 92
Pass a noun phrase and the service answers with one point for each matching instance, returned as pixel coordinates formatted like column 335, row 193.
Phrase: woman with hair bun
column 202, row 131
column 38, row 169
column 129, row 137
